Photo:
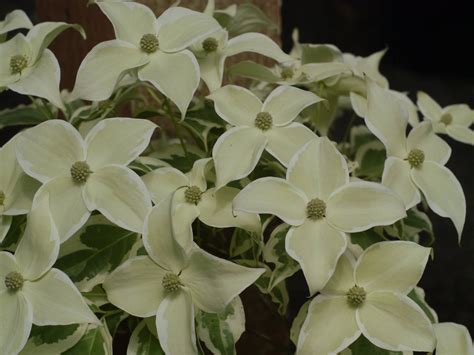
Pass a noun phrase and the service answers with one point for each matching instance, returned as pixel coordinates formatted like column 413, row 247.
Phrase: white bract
column 16, row 188
column 370, row 298
column 453, row 338
column 14, row 20
column 155, row 47
column 31, row 292
column 453, row 120
column 175, row 277
column 83, row 175
column 28, row 67
column 414, row 162
column 193, row 199
column 258, row 126
column 321, row 205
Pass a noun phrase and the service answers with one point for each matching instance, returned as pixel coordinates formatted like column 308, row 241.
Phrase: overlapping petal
column 422, row 137
column 343, row 278
column 396, row 176
column 16, row 315
column 428, row 107
column 257, row 43
column 453, row 338
column 15, row 20
column 161, row 182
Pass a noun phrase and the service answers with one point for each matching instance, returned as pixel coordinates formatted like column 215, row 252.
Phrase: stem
column 169, row 112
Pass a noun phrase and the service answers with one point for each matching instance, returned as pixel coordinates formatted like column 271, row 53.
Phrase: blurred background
column 428, row 49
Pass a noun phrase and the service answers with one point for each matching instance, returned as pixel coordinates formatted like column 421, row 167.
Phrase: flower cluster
column 105, row 219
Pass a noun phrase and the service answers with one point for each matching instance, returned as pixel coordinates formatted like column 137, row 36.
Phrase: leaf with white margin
column 96, row 341
column 330, row 327
column 395, row 266
column 16, row 314
column 214, row 282
column 405, row 326
column 453, row 338
column 143, row 341
column 397, row 177
column 442, row 191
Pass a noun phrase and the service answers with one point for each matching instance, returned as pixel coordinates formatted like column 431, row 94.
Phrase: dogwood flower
column 31, row 292
column 453, row 120
column 257, row 127
column 321, row 205
column 193, row 199
column 369, row 297
column 28, row 67
column 453, row 338
column 16, row 188
column 14, row 20
column 176, row 277
column 156, row 47
column 83, row 175
column 414, row 162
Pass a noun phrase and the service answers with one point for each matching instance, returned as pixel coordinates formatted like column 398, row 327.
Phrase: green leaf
column 144, row 342
column 200, row 129
column 415, row 223
column 249, row 18
column 240, row 243
column 418, row 295
column 322, row 114
column 220, row 331
column 362, row 346
column 367, row 238
column 96, row 341
column 320, row 53
column 255, row 71
column 371, row 159
column 21, row 116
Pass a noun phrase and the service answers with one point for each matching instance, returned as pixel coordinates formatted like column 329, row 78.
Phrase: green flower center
column 356, row 296
column 2, row 197
column 210, row 45
column 316, row 209
column 18, row 63
column 446, row 118
column 149, row 43
column 416, row 157
column 14, row 281
column 193, row 194
column 264, row 121
column 171, row 282
column 80, row 171
column 287, row 73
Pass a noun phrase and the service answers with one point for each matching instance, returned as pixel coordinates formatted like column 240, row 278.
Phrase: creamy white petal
column 394, row 322
column 19, row 197
column 175, row 75
column 274, row 196
column 236, row 105
column 318, row 169
column 135, row 286
column 428, row 107
column 120, row 195
column 361, row 205
column 236, row 153
column 285, row 103
column 453, row 338
column 67, row 206
column 462, row 114
column 15, row 20
column 175, row 324
column 386, row 119
column 284, row 142
column 117, row 141
column 329, row 328
column 103, row 67
column 16, row 315
column 212, row 69
column 49, row 150
column 39, row 247
column 316, row 246
column 183, row 215
column 442, row 191
column 396, row 176
column 461, row 133
column 257, row 43
column 161, row 182
column 343, row 278
column 422, row 137
column 391, row 266
column 214, row 282
column 56, row 301
column 18, row 45
column 197, row 175
column 216, row 210
column 42, row 81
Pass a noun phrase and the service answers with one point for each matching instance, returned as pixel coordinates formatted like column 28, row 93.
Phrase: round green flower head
column 416, row 157
column 193, row 194
column 356, row 296
column 14, row 281
column 149, row 43
column 316, row 209
column 18, row 63
column 171, row 282
column 287, row 73
column 264, row 121
column 446, row 118
column 2, row 197
column 80, row 171
column 210, row 45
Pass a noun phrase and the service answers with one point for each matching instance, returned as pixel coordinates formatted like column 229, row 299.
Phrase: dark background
column 429, row 46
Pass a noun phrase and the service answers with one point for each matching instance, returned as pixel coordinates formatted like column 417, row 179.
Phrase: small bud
column 149, row 43
column 264, row 121
column 2, row 197
column 446, row 118
column 171, row 282
column 210, row 45
column 416, row 157
column 18, row 63
column 14, row 281
column 80, row 171
column 193, row 194
column 287, row 73
column 316, row 209
column 356, row 296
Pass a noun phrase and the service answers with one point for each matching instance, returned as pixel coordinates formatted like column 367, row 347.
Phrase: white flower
column 453, row 120
column 321, row 205
column 370, row 298
column 414, row 162
column 82, row 175
column 31, row 292
column 13, row 21
column 367, row 66
column 156, row 47
column 193, row 199
column 16, row 188
column 173, row 279
column 28, row 68
column 453, row 339
column 258, row 126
